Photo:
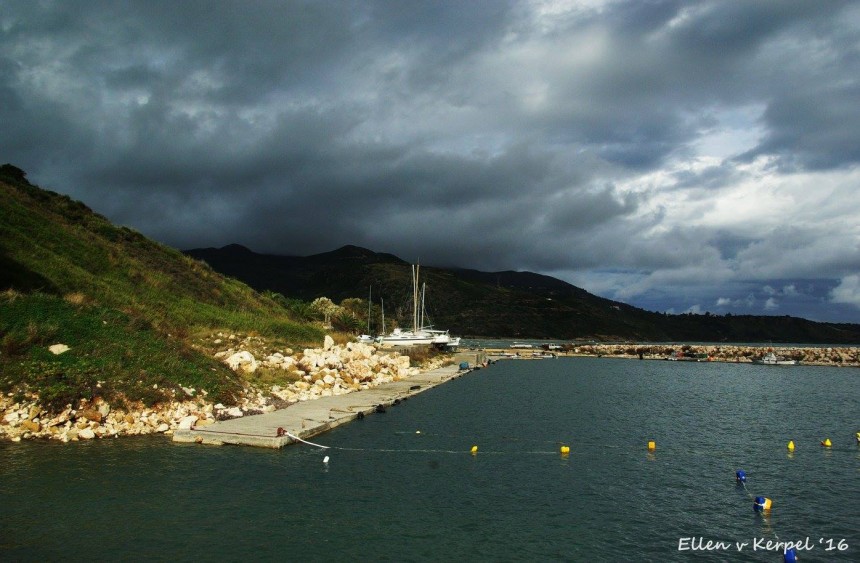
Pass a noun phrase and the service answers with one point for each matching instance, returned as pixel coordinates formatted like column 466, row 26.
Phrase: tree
column 325, row 307
column 13, row 173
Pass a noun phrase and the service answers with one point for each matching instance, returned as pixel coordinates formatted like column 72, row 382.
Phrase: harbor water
column 404, row 485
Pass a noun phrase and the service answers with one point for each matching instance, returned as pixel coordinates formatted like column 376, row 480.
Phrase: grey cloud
column 471, row 134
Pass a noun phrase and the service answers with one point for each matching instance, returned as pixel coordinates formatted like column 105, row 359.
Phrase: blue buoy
column 790, row 556
column 741, row 476
column 464, row 365
column 762, row 504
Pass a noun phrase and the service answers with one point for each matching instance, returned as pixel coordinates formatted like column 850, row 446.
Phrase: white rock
column 104, row 409
column 329, row 379
column 86, row 434
column 58, row 349
column 328, row 342
column 187, row 422
column 163, row 427
column 235, row 412
column 11, row 417
column 244, row 360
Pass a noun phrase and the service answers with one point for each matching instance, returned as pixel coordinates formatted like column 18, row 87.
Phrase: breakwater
column 807, row 355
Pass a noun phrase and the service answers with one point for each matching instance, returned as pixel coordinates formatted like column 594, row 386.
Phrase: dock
column 307, row 419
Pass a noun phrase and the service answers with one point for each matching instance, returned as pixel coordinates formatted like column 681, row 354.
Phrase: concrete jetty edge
column 307, row 419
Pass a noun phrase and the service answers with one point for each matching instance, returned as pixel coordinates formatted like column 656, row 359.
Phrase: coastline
column 834, row 356
column 332, row 371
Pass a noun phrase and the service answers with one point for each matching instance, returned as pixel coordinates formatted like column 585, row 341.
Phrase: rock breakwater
column 818, row 356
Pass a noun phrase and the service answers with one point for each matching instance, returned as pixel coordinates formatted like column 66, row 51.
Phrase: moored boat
column 419, row 335
column 771, row 359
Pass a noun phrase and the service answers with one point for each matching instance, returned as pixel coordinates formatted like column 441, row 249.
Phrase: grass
column 111, row 355
column 126, row 305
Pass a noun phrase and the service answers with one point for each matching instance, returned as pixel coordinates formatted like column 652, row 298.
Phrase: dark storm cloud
column 619, row 143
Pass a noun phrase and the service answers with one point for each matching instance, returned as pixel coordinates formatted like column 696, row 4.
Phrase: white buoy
column 325, row 459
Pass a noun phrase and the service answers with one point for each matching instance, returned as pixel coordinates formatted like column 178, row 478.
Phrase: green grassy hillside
column 128, row 307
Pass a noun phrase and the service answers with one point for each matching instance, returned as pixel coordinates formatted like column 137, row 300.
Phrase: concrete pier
column 308, row 418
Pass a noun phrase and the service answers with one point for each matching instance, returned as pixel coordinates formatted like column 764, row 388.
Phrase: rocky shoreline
column 322, row 372
column 318, row 372
column 829, row 356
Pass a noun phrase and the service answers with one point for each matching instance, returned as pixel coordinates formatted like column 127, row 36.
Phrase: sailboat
column 419, row 335
column 441, row 338
column 367, row 338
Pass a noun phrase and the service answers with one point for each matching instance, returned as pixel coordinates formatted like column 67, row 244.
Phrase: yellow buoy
column 565, row 450
column 826, row 443
column 474, row 450
column 652, row 445
column 858, row 437
column 791, row 445
column 761, row 504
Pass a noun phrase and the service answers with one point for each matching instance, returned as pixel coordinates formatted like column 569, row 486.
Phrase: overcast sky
column 677, row 156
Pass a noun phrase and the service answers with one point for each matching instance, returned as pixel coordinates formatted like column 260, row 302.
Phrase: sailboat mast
column 415, row 270
column 423, row 294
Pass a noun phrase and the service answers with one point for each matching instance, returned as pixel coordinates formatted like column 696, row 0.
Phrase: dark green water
column 391, row 494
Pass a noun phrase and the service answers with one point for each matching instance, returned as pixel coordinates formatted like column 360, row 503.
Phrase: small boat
column 441, row 338
column 771, row 359
column 680, row 356
column 400, row 337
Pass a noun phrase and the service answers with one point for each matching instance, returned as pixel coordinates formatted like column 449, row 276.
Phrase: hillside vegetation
column 499, row 304
column 129, row 308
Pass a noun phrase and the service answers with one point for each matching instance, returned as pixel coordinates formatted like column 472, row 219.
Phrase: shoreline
column 833, row 356
column 330, row 371
column 333, row 371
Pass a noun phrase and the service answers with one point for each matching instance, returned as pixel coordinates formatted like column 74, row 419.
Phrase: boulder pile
column 848, row 356
column 23, row 419
column 314, row 373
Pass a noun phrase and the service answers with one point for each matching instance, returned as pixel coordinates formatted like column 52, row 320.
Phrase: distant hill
column 499, row 304
column 128, row 307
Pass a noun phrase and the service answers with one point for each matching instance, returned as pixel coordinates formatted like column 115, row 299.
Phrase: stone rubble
column 318, row 372
column 848, row 356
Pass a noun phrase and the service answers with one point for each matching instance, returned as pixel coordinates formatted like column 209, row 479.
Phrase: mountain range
column 506, row 304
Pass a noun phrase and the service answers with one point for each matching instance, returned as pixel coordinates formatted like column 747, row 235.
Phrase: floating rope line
column 392, row 450
column 296, row 438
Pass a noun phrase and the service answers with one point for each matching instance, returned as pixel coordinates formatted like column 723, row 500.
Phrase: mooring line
column 306, row 442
